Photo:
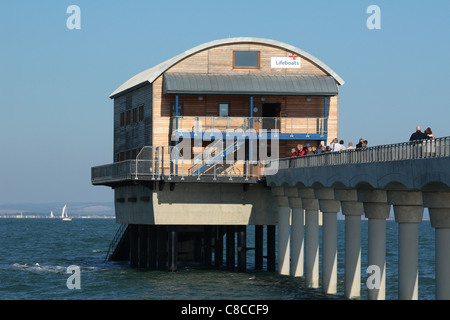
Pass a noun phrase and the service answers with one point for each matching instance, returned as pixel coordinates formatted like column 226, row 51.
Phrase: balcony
column 288, row 128
column 168, row 164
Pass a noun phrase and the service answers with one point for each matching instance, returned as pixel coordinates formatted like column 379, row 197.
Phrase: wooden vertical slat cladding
column 216, row 59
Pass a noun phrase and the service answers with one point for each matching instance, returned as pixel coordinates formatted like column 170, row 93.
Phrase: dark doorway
column 271, row 114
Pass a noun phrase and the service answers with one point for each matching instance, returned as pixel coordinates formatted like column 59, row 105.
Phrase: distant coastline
column 43, row 210
column 15, row 216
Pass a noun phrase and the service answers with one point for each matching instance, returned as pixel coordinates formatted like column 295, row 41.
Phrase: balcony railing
column 166, row 163
column 283, row 124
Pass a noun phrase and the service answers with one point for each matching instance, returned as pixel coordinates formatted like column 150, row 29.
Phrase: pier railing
column 166, row 163
column 430, row 148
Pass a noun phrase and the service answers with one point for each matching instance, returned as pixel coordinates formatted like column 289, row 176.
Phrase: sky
column 56, row 118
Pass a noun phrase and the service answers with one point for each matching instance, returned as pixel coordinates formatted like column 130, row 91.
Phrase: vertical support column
column 352, row 210
column 230, row 248
column 242, row 248
column 329, row 208
column 134, row 245
column 143, row 246
column 176, row 130
column 251, row 140
column 376, row 210
column 325, row 115
column 152, row 243
column 284, row 213
column 259, row 240
column 270, row 248
column 408, row 212
column 297, row 232
column 218, row 248
column 162, row 247
column 311, row 206
column 438, row 204
column 207, row 245
column 173, row 249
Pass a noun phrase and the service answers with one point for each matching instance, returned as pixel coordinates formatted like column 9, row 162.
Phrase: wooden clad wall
column 220, row 60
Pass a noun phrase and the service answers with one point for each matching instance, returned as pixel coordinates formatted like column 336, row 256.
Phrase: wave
column 38, row 268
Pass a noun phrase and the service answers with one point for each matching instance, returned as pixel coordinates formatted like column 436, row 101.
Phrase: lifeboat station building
column 195, row 136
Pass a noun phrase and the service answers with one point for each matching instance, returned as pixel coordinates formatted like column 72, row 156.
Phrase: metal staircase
column 119, row 247
column 210, row 162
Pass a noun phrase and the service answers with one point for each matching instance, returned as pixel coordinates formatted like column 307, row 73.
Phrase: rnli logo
column 291, row 61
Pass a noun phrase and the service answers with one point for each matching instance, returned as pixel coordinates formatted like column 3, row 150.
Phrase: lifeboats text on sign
column 292, row 61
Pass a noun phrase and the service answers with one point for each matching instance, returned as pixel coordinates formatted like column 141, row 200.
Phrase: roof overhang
column 148, row 76
column 249, row 84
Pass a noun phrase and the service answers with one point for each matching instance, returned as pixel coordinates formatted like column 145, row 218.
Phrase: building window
column 135, row 117
column 141, row 113
column 223, row 109
column 122, row 119
column 132, row 116
column 246, row 60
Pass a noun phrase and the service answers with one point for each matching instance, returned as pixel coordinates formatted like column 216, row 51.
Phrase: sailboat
column 64, row 215
column 51, row 214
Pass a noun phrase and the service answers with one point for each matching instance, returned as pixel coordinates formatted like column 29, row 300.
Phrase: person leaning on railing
column 419, row 135
column 429, row 133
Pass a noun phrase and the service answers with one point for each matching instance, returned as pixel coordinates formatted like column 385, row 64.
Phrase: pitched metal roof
column 249, row 84
column 150, row 75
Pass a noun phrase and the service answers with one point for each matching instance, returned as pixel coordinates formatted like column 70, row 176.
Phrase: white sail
column 64, row 215
column 64, row 212
column 51, row 214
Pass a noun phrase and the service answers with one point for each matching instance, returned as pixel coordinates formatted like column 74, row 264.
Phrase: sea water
column 35, row 255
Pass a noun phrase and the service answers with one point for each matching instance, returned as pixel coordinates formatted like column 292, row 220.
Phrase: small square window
column 246, row 60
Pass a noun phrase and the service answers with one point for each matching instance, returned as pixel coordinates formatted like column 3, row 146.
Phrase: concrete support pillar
column 352, row 210
column 270, row 248
column 218, row 247
column 143, row 246
column 377, row 211
column 438, row 204
column 311, row 206
column 173, row 249
column 329, row 208
column 162, row 247
column 408, row 212
column 153, row 249
column 230, row 245
column 134, row 245
column 207, row 246
column 284, row 213
column 297, row 232
column 242, row 248
column 259, row 241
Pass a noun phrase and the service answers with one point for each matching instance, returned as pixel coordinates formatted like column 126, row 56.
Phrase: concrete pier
column 406, row 178
column 311, row 206
column 408, row 211
column 438, row 204
column 329, row 207
column 297, row 233
column 288, row 207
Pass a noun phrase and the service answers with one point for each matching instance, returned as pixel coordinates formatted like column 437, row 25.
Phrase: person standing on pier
column 418, row 135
